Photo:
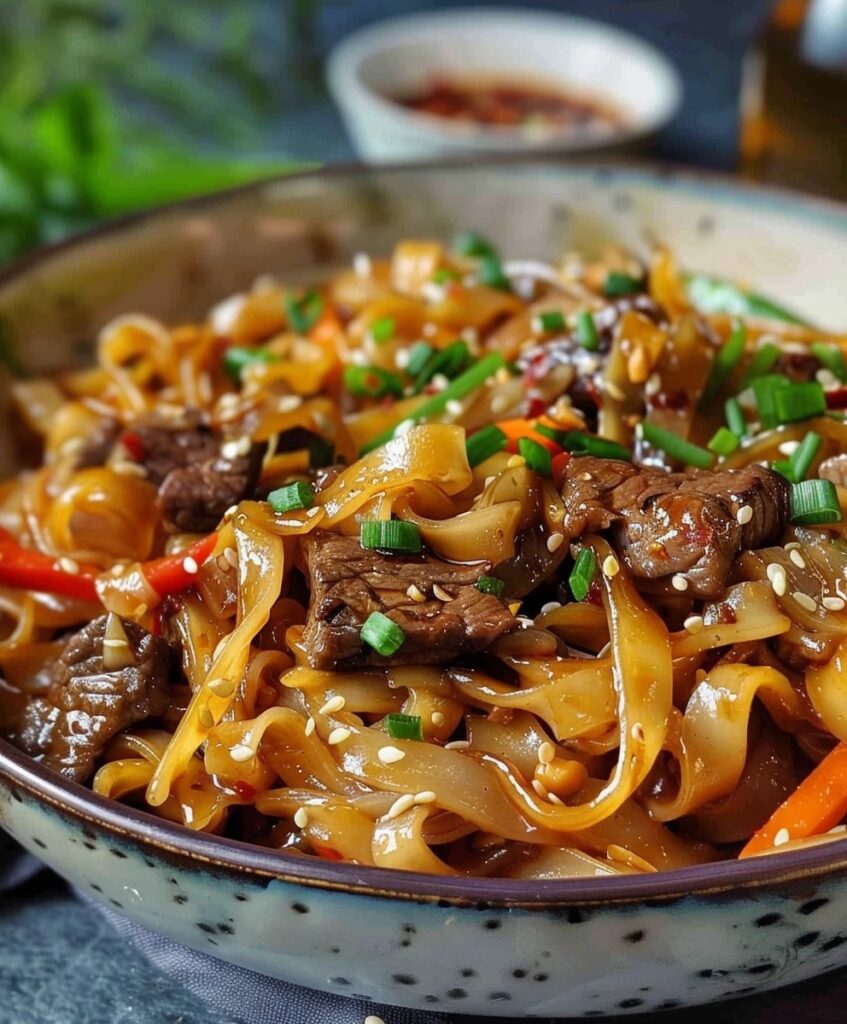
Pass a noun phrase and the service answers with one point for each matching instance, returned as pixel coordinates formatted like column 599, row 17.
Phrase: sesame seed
column 301, row 817
column 536, row 325
column 555, row 799
column 401, row 358
column 789, row 447
column 338, row 735
column 652, row 385
column 68, row 565
column 457, row 745
column 584, row 476
column 833, row 604
column 207, row 719
column 805, row 601
column 551, row 606
column 744, row 515
column 309, row 727
column 782, row 837
column 230, row 557
column 221, row 687
column 241, row 752
column 401, row 805
column 540, row 789
column 437, row 718
column 637, row 732
column 611, row 566
column 555, row 541
column 439, row 381
column 390, row 755
column 312, row 512
column 515, row 461
column 237, row 448
column 426, row 796
column 332, row 705
column 454, row 407
column 779, row 582
column 429, row 330
column 287, row 403
column 500, row 403
column 441, row 593
column 415, row 593
column 470, row 335
column 362, row 265
column 694, row 623
column 797, row 558
column 679, row 582
column 190, row 565
column 546, row 752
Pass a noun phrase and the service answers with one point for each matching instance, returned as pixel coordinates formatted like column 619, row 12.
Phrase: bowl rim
column 219, row 853
column 351, row 92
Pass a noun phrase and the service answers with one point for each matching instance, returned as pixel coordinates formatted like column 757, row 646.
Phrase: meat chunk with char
column 664, row 524
column 348, row 583
column 87, row 704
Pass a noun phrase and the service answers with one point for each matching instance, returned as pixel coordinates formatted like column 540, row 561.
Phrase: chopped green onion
column 474, row 377
column 804, row 455
column 403, row 727
column 236, row 358
column 383, row 635
column 485, row 443
column 713, row 295
column 490, row 273
column 372, row 382
column 784, row 468
column 321, row 452
column 292, row 497
column 736, row 421
column 390, row 535
column 469, row 243
column 490, row 585
column 382, row 330
column 582, row 574
column 831, row 357
column 448, row 362
column 419, row 355
column 549, row 322
column 586, row 331
column 814, row 502
column 537, row 457
column 726, row 359
column 618, row 284
column 799, row 401
column 303, row 313
column 677, row 447
column 764, row 388
column 724, row 442
column 578, row 443
column 444, row 275
column 761, row 363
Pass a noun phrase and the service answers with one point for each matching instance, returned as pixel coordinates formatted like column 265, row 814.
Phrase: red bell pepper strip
column 31, row 570
column 169, row 575
column 558, row 467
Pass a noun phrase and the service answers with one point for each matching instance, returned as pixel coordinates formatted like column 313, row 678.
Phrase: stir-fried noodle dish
column 452, row 564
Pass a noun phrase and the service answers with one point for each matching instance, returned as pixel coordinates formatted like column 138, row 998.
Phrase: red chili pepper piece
column 244, row 791
column 31, row 570
column 327, row 852
column 558, row 467
column 135, row 445
column 169, row 575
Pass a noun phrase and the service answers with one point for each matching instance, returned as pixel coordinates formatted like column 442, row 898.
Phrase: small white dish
column 585, row 58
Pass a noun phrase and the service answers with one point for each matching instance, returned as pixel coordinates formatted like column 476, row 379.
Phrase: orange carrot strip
column 515, row 429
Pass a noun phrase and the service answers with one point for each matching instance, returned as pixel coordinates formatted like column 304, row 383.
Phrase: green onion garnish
column 582, row 574
column 713, row 295
column 549, row 322
column 831, row 357
column 764, row 388
column 586, row 331
column 321, row 452
column 390, row 535
column 724, row 442
column 469, row 381
column 761, row 363
column 236, row 358
column 578, row 443
column 485, row 443
column 292, row 497
column 814, row 502
column 726, row 359
column 784, row 468
column 537, row 457
column 383, row 635
column 735, row 418
column 372, row 382
column 382, row 330
column 490, row 585
column 677, row 447
column 448, row 362
column 618, row 284
column 419, row 355
column 303, row 313
column 469, row 243
column 490, row 273
column 403, row 727
column 444, row 275
column 799, row 401
column 804, row 455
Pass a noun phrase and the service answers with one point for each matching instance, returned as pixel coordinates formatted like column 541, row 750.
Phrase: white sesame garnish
column 500, row 403
column 441, row 593
column 401, row 805
column 403, row 427
column 470, row 335
column 783, row 836
column 426, row 796
column 401, row 358
column 454, row 407
column 744, row 515
column 338, row 735
column 797, row 558
column 415, row 593
column 833, row 604
column 536, row 325
column 555, row 799
column 555, row 541
column 546, row 752
column 230, row 557
column 205, row 716
column 332, row 705
column 309, row 727
column 429, row 330
column 287, row 403
column 68, row 565
column 312, row 512
column 362, row 265
column 540, row 789
column 653, row 385
column 694, row 623
column 779, row 581
column 301, row 817
column 611, row 566
column 190, row 565
column 515, row 461
column 637, row 732
column 437, row 718
column 789, row 447
column 805, row 601
column 457, row 745
column 237, row 448
column 221, row 687
column 433, row 293
column 551, row 606
column 241, row 752
column 679, row 582
column 827, row 379
column 390, row 755
column 525, row 621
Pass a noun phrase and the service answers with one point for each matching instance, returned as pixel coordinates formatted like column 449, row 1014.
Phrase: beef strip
column 664, row 524
column 348, row 583
column 98, row 446
column 85, row 705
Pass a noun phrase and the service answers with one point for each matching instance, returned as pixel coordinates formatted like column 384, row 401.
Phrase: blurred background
column 107, row 106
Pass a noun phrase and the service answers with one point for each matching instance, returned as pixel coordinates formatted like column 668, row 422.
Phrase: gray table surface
column 60, row 963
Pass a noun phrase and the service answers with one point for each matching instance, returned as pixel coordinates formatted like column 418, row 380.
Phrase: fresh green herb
column 784, row 468
column 618, row 284
column 804, row 455
column 735, row 418
column 586, row 331
column 831, row 357
column 724, row 442
column 677, row 447
column 761, row 363
column 448, row 362
column 578, row 443
column 490, row 273
column 444, row 275
column 383, row 635
column 469, row 243
column 372, row 382
column 303, row 313
column 236, row 358
column 814, row 502
column 419, row 355
column 485, row 443
column 390, row 535
column 490, row 585
column 726, row 359
column 764, row 388
column 292, row 497
column 403, row 727
column 582, row 574
column 537, row 457
column 799, row 401
column 713, row 295
column 549, row 322
column 382, row 330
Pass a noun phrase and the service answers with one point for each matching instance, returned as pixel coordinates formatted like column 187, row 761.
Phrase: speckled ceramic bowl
column 571, row 948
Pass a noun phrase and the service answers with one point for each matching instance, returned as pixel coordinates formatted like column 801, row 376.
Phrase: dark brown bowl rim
column 218, row 853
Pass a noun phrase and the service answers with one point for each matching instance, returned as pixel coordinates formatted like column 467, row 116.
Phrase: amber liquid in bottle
column 794, row 99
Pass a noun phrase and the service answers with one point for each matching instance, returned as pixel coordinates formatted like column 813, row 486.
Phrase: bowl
column 399, row 56
column 587, row 947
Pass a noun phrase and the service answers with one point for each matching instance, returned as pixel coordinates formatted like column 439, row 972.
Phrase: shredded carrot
column 518, row 428
column 817, row 805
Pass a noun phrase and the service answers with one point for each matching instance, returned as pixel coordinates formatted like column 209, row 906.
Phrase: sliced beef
column 98, row 446
column 86, row 705
column 163, row 447
column 664, row 524
column 347, row 583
